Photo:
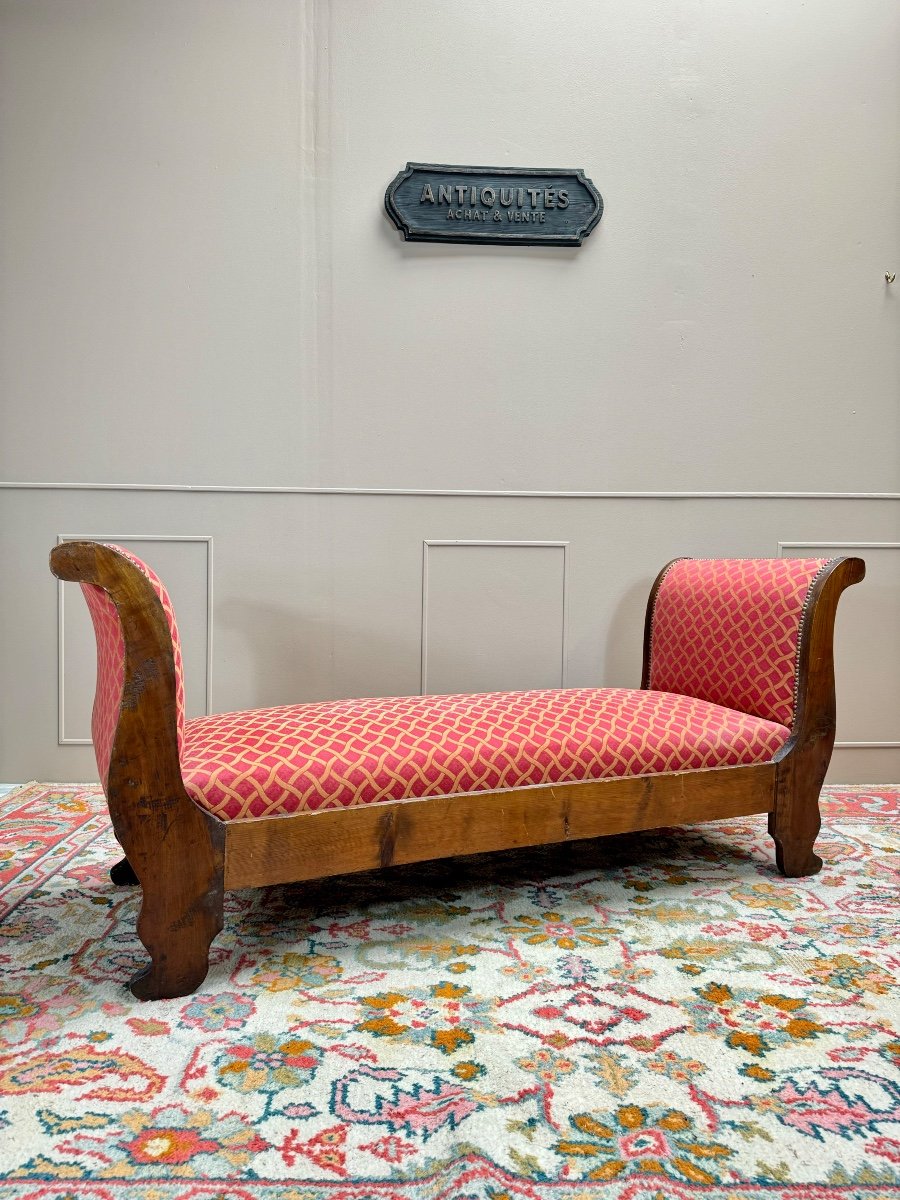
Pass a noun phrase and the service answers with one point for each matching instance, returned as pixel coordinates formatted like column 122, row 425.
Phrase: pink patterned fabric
column 110, row 674
column 111, row 662
column 727, row 631
column 352, row 752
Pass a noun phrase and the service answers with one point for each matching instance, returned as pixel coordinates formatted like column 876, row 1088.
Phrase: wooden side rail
column 285, row 849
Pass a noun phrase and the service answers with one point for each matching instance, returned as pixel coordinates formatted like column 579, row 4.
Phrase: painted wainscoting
column 290, row 595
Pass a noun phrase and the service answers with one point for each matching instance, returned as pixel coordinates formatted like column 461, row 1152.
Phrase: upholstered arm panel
column 111, row 662
column 728, row 631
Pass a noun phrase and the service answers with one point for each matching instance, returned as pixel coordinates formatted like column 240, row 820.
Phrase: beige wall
column 199, row 290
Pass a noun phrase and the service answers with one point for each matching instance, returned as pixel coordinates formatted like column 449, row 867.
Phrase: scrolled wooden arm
column 175, row 848
column 813, row 710
column 803, row 760
column 814, row 701
column 801, row 763
column 146, row 738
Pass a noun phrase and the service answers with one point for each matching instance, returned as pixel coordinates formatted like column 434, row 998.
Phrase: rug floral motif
column 651, row 1017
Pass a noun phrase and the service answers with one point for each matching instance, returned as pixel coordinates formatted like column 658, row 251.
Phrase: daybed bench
column 735, row 715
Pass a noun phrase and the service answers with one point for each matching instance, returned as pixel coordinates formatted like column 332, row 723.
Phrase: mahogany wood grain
column 802, row 762
column 282, row 850
column 175, row 848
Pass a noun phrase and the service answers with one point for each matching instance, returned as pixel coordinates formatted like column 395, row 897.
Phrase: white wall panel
column 494, row 616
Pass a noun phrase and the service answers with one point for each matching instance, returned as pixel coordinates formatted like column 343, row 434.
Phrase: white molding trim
column 486, row 493
column 428, row 543
column 837, row 546
column 885, row 745
column 867, row 745
column 62, row 739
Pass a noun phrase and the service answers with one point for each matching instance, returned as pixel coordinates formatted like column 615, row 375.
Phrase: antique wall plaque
column 521, row 206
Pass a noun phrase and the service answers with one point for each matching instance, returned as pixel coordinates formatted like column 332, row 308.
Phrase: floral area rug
column 655, row 1016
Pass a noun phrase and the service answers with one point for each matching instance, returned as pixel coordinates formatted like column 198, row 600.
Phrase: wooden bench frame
column 185, row 858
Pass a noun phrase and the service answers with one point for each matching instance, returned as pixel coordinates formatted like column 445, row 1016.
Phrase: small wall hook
column 890, row 276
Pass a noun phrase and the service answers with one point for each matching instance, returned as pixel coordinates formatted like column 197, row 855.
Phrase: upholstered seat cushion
column 310, row 757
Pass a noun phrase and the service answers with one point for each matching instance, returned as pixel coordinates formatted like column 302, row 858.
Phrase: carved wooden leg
column 177, row 852
column 794, row 855
column 122, row 874
column 178, row 920
column 795, row 823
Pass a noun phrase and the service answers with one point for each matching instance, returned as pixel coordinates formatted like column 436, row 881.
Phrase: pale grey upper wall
column 197, row 282
column 151, row 224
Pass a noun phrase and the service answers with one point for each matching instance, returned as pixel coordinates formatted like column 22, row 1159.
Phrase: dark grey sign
column 521, row 206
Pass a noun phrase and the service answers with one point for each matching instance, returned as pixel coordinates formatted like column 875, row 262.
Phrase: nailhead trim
column 673, row 563
column 804, row 615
